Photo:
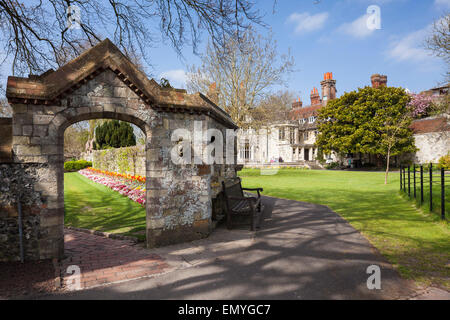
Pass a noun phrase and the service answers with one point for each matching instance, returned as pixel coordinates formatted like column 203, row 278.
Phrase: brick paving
column 104, row 260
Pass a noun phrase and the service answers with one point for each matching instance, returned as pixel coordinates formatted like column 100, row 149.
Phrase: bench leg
column 229, row 222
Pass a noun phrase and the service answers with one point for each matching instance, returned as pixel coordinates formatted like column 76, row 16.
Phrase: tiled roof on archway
column 52, row 86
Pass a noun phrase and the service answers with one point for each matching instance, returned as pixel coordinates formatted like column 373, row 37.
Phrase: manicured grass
column 417, row 243
column 93, row 206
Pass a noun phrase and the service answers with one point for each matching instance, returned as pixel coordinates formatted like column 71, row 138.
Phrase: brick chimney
column 328, row 87
column 212, row 93
column 378, row 80
column 297, row 104
column 315, row 97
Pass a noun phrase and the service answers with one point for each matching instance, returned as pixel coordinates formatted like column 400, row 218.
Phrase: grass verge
column 416, row 243
column 93, row 206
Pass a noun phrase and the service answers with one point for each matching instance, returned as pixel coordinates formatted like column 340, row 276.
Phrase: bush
column 444, row 162
column 333, row 165
column 71, row 166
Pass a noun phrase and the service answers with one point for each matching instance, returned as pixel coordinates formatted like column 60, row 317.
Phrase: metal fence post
column 414, row 176
column 442, row 194
column 409, row 181
column 404, row 179
column 431, row 187
column 401, row 184
column 421, row 184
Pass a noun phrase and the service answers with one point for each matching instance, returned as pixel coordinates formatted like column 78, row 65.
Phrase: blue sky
column 332, row 36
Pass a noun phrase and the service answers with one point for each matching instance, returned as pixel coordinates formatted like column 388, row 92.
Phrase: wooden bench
column 238, row 206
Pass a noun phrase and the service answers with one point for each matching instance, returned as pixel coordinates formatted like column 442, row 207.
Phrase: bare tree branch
column 244, row 72
column 36, row 34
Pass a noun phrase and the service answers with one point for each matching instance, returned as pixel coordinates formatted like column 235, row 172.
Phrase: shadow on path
column 302, row 251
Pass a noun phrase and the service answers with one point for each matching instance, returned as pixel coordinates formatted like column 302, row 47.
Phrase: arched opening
column 105, row 229
column 104, row 178
column 59, row 156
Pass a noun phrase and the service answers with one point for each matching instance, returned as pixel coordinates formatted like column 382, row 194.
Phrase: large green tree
column 114, row 134
column 371, row 120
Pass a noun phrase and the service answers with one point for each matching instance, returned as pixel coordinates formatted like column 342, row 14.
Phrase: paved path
column 104, row 260
column 303, row 251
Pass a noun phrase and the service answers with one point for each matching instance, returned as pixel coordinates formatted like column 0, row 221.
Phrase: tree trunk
column 387, row 166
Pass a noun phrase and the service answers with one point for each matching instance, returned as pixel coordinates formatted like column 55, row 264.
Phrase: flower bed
column 127, row 185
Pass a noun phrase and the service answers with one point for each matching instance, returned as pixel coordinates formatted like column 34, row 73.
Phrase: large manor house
column 293, row 141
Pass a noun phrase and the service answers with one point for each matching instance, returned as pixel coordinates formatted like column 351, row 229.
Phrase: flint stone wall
column 17, row 183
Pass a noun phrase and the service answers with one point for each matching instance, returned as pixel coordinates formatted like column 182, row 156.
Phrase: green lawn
column 417, row 243
column 93, row 206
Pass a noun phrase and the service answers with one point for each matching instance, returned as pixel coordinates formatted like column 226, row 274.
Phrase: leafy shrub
column 333, row 165
column 71, row 166
column 444, row 162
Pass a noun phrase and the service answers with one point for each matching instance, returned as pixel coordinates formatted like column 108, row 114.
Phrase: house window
column 292, row 135
column 281, row 135
column 312, row 119
column 245, row 151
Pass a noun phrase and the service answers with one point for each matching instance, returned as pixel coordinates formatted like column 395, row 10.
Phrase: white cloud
column 410, row 47
column 357, row 28
column 442, row 3
column 177, row 77
column 306, row 22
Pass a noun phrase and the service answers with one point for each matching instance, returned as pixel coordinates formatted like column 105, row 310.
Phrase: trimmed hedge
column 71, row 166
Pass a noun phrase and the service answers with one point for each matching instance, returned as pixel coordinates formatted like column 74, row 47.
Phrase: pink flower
column 134, row 189
column 420, row 104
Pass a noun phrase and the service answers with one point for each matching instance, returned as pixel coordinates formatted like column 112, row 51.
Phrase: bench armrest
column 254, row 189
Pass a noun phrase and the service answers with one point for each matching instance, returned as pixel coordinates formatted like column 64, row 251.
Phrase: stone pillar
column 179, row 205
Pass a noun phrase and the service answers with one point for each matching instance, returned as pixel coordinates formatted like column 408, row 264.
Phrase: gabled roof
column 52, row 86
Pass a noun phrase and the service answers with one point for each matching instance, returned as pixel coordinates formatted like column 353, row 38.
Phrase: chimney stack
column 328, row 87
column 315, row 97
column 378, row 80
column 297, row 104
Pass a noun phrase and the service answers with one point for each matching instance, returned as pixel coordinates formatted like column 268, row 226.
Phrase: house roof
column 305, row 112
column 52, row 86
column 428, row 125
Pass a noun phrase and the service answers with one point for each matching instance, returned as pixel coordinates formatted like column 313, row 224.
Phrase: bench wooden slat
column 237, row 204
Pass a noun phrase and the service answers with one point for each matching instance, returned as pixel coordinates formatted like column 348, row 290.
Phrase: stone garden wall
column 130, row 160
column 17, row 183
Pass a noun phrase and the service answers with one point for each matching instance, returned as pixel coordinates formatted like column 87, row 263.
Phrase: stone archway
column 103, row 83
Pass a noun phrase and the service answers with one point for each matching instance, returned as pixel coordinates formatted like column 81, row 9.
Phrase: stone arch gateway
column 103, row 83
